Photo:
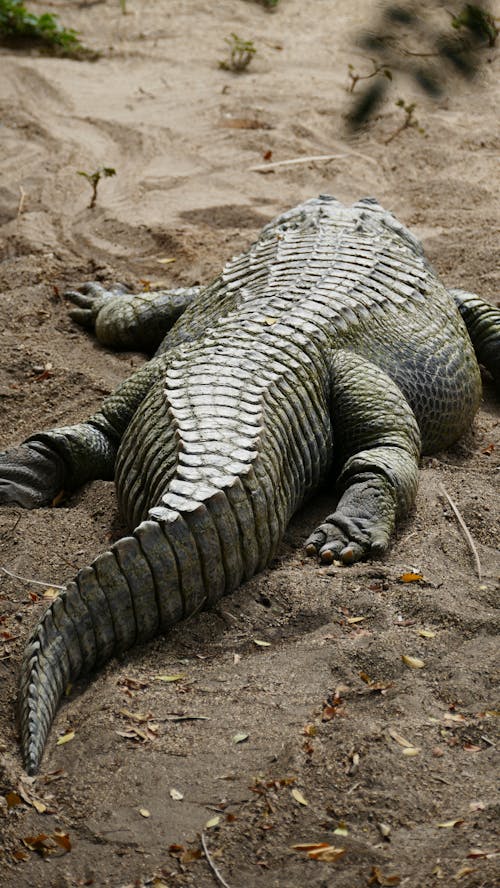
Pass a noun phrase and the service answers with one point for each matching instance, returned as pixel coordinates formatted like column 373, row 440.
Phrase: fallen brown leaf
column 412, row 662
column 378, row 878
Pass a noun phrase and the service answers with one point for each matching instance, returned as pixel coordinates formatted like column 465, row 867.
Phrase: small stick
column 211, row 864
column 465, row 531
column 28, row 580
column 262, row 167
column 22, row 198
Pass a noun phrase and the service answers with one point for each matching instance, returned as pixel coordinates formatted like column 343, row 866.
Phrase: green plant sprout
column 18, row 26
column 93, row 179
column 241, row 54
column 409, row 122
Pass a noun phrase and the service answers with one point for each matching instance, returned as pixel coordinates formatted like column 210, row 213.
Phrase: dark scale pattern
column 330, row 341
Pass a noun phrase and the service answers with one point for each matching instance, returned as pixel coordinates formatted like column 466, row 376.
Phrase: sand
column 323, row 759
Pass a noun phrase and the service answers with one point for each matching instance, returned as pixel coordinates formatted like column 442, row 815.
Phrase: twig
column 262, row 167
column 465, row 531
column 22, row 198
column 29, row 580
column 211, row 864
column 12, row 529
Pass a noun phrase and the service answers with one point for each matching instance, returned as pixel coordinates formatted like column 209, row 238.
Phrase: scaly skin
column 330, row 344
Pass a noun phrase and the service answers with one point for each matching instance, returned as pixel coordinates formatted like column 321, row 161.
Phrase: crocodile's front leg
column 129, row 320
column 61, row 459
column 377, row 443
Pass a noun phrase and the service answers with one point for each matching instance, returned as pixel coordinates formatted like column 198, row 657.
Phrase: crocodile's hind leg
column 129, row 320
column 34, row 473
column 376, row 444
column 483, row 326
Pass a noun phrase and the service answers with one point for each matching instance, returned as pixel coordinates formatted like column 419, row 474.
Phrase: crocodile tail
column 173, row 564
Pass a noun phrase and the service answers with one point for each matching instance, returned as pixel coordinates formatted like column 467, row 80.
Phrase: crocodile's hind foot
column 365, row 533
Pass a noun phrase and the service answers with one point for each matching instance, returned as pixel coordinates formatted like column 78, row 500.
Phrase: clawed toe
column 89, row 298
column 345, row 540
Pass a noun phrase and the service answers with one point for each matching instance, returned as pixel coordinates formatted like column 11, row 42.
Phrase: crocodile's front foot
column 31, row 475
column 90, row 298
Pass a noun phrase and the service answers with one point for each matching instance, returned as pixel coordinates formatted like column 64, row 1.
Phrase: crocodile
column 329, row 353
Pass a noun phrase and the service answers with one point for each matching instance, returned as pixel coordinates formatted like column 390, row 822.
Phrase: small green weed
column 93, row 179
column 241, row 53
column 20, row 27
column 409, row 122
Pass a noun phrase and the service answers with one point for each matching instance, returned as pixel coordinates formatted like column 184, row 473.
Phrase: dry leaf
column 410, row 576
column 412, row 662
column 240, row 738
column 175, row 794
column 12, row 799
column 299, row 797
column 138, row 717
column 400, row 739
column 259, row 643
column 463, row 871
column 39, row 806
column 62, row 840
column 455, row 717
column 355, row 619
column 377, row 878
column 385, row 830
column 65, row 738
column 320, row 851
column 214, row 821
column 341, row 830
column 44, row 844
column 449, row 824
column 191, row 854
column 166, row 260
column 426, row 633
column 176, row 677
column 329, row 854
column 310, row 730
column 144, row 812
column 51, row 593
column 412, row 750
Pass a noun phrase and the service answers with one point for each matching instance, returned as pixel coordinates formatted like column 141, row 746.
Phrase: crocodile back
column 250, row 359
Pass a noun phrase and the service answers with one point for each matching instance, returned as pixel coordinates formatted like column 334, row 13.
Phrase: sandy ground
column 326, row 753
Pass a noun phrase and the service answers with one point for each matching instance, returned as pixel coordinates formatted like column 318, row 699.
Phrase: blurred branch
column 429, row 43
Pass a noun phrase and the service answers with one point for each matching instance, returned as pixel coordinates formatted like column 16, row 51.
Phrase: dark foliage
column 429, row 43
